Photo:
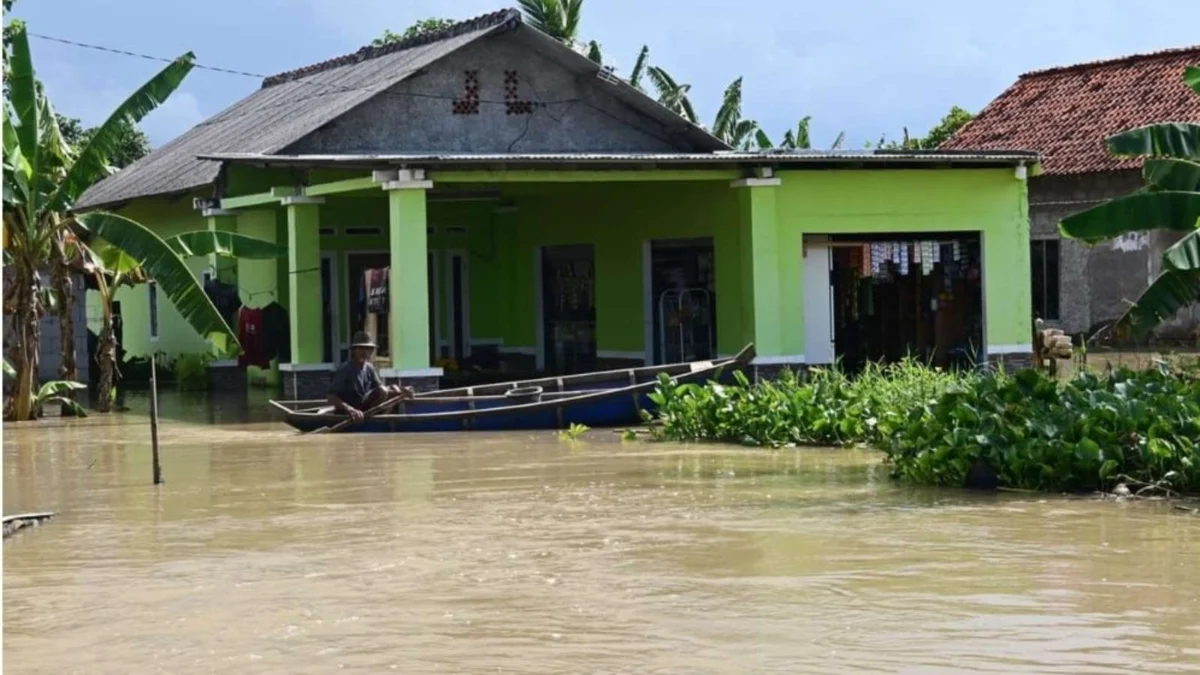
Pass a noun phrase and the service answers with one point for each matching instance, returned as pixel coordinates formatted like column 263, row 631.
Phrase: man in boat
column 357, row 386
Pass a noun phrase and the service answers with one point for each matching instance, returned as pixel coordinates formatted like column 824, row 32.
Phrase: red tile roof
column 1065, row 113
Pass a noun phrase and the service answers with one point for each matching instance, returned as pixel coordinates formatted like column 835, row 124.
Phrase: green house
column 536, row 213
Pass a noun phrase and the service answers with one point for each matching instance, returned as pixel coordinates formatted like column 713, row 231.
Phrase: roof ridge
column 504, row 17
column 1128, row 58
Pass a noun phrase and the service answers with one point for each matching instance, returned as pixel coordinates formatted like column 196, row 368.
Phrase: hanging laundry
column 377, row 289
column 916, row 253
column 927, row 257
column 876, row 258
column 276, row 334
column 866, row 260
column 903, row 259
column 957, row 251
column 250, row 335
column 937, row 251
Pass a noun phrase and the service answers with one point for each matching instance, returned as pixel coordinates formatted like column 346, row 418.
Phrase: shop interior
column 920, row 296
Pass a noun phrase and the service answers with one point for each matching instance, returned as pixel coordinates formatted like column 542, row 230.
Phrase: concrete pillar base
column 305, row 382
column 226, row 377
column 1011, row 362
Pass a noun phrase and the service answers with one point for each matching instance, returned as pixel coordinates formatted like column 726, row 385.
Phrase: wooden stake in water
column 154, row 420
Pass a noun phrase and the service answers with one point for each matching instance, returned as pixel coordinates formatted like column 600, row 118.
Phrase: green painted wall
column 991, row 202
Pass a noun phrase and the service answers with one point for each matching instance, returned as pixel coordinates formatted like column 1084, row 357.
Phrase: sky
column 869, row 68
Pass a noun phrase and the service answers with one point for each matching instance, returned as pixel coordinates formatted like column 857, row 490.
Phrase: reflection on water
column 267, row 552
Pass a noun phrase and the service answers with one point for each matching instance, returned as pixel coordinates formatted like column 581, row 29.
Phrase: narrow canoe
column 601, row 399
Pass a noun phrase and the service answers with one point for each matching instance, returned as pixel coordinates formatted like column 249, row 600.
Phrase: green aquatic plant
column 1038, row 433
column 825, row 407
column 573, row 432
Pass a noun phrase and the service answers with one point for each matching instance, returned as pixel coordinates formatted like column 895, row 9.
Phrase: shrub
column 191, row 371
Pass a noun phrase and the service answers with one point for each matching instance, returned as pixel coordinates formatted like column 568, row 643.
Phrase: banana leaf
column 92, row 163
column 9, row 371
column 1191, row 77
column 227, row 244
column 1178, row 140
column 1172, row 174
column 594, row 52
column 639, row 68
column 1170, row 292
column 1185, row 254
column 162, row 264
column 1170, row 210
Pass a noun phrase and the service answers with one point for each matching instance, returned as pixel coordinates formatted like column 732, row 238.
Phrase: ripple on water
column 264, row 552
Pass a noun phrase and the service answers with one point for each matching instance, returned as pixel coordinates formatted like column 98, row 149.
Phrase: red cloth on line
column 250, row 334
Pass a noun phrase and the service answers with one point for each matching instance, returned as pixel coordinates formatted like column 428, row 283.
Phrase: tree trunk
column 27, row 336
column 65, row 290
column 106, row 358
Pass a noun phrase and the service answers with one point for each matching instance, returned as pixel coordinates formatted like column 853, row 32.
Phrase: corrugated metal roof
column 626, row 160
column 288, row 107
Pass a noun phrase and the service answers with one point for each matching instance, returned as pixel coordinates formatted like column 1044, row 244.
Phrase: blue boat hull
column 607, row 399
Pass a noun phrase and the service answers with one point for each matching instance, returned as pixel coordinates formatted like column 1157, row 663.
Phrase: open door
column 569, row 308
column 818, row 303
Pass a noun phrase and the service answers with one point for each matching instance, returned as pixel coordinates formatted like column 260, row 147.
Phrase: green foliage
column 1040, row 434
column 1032, row 430
column 557, row 18
column 573, row 432
column 826, row 407
column 422, row 27
column 131, row 145
column 191, row 372
column 954, row 120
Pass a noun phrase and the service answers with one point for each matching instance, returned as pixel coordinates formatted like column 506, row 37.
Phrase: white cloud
column 178, row 114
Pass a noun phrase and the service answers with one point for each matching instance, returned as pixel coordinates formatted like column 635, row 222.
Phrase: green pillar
column 304, row 278
column 408, row 290
column 758, row 243
column 224, row 268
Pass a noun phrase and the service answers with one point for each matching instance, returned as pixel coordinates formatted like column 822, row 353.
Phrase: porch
column 495, row 273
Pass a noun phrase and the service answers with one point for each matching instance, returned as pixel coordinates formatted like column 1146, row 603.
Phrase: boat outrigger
column 600, row 399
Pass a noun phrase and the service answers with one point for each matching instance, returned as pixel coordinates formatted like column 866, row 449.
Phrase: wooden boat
column 601, row 399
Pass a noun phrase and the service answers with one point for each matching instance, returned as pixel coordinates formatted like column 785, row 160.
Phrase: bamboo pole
column 158, row 479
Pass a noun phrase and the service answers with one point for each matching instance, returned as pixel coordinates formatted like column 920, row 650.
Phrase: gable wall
column 417, row 115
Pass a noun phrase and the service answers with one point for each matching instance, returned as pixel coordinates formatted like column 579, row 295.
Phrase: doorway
column 683, row 300
column 458, row 305
column 920, row 296
column 356, row 265
column 568, row 292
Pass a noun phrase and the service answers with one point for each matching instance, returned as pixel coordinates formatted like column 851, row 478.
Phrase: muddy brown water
column 521, row 553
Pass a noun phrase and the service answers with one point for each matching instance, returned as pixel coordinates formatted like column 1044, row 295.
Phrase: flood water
column 518, row 553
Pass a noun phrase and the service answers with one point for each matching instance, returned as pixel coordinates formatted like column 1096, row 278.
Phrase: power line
column 148, row 57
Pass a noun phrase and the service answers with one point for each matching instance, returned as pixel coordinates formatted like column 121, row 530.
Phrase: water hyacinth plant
column 1032, row 430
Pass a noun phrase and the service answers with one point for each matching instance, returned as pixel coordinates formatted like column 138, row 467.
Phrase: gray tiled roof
column 288, row 107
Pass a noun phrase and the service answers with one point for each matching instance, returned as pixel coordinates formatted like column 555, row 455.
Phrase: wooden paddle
column 349, row 421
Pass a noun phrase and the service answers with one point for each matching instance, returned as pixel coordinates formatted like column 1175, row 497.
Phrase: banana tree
column 729, row 126
column 117, row 265
column 1170, row 201
column 42, row 179
column 56, row 391
column 673, row 95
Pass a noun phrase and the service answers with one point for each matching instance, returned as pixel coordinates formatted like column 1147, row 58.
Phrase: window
column 1044, row 264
